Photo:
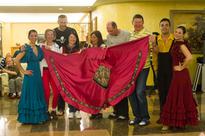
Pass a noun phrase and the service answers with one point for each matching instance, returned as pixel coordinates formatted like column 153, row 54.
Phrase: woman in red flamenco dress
column 180, row 108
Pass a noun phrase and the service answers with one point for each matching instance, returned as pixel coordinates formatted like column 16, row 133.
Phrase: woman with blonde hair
column 49, row 44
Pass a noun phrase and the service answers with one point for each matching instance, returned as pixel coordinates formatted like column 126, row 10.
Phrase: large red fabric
column 74, row 74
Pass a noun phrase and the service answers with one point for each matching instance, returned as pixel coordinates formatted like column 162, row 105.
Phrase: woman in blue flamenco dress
column 32, row 107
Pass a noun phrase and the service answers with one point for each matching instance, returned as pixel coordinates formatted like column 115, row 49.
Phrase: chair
column 4, row 84
column 198, row 73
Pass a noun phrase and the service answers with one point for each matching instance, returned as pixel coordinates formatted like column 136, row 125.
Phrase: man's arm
column 9, row 71
column 108, row 41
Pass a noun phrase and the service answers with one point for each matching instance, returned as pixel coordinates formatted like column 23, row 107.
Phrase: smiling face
column 62, row 22
column 165, row 27
column 138, row 24
column 111, row 30
column 33, row 37
column 72, row 40
column 94, row 40
column 49, row 35
column 179, row 34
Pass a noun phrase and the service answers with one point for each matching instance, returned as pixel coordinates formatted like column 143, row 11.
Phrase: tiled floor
column 103, row 127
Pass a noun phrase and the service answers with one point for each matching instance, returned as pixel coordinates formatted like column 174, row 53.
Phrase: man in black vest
column 62, row 33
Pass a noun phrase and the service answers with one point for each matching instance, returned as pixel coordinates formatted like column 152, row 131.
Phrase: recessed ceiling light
column 60, row 8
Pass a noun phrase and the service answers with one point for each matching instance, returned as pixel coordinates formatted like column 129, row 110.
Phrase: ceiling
column 43, row 9
column 102, row 2
column 67, row 9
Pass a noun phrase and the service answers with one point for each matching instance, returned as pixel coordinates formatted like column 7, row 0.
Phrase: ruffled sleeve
column 26, row 49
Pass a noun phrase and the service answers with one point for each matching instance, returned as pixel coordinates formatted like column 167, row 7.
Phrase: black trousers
column 61, row 103
column 164, row 76
column 121, row 109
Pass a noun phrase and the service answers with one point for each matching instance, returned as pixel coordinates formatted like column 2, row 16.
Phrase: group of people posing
column 177, row 105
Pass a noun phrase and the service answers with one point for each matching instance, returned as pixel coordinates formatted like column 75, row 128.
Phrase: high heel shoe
column 165, row 128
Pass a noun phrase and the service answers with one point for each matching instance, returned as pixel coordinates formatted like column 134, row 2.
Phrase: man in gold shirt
column 162, row 47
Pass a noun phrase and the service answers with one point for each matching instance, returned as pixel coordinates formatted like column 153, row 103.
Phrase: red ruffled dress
column 180, row 107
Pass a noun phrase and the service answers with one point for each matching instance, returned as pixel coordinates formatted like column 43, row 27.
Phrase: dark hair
column 165, row 19
column 137, row 16
column 77, row 39
column 155, row 33
column 99, row 36
column 182, row 28
column 114, row 25
column 62, row 16
column 32, row 31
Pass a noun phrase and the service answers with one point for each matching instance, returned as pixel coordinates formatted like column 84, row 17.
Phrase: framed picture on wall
column 40, row 39
column 194, row 21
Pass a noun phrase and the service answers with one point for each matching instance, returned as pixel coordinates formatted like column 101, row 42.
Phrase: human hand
column 152, row 39
column 28, row 72
column 179, row 67
column 104, row 47
column 22, row 48
column 3, row 70
column 48, row 47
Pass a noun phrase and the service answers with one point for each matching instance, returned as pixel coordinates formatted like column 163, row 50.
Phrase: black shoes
column 14, row 95
column 118, row 118
column 158, row 121
column 96, row 116
column 112, row 116
column 53, row 115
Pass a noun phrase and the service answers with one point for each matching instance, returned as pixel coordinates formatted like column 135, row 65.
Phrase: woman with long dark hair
column 96, row 39
column 179, row 109
column 72, row 47
column 32, row 108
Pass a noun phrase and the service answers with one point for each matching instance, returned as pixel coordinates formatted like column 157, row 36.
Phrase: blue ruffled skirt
column 32, row 107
